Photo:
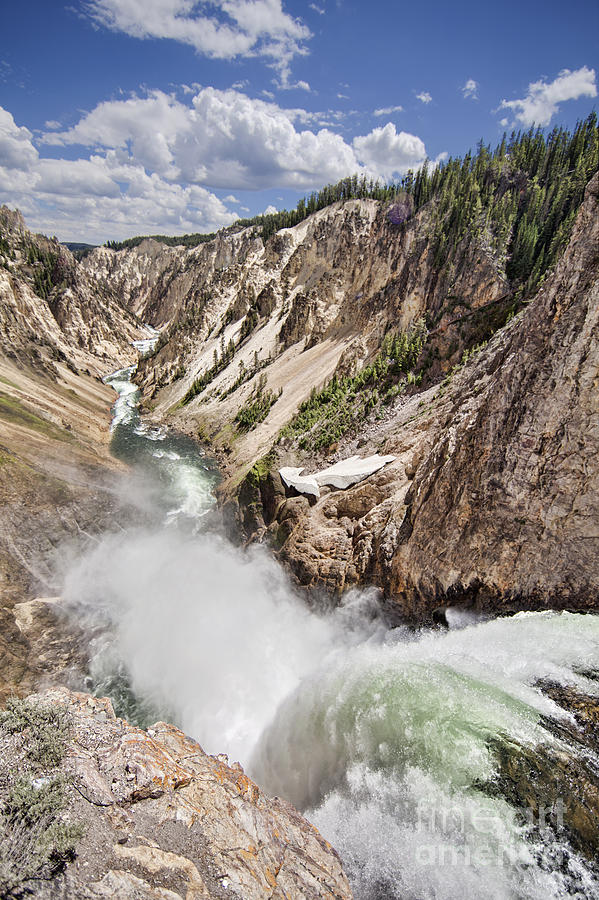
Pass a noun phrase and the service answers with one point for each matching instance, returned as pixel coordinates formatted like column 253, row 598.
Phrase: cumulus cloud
column 424, row 97
column 106, row 195
column 542, row 99
column 149, row 164
column 226, row 139
column 221, row 29
column 387, row 152
column 470, row 90
column 16, row 148
column 388, row 110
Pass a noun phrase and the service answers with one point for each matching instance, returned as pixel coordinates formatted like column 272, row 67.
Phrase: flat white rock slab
column 305, row 485
column 341, row 475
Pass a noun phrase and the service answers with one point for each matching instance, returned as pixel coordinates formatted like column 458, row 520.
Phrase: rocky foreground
column 157, row 817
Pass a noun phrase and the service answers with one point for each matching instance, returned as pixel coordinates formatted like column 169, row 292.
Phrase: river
column 388, row 740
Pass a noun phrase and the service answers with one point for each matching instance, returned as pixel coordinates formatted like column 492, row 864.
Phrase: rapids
column 384, row 738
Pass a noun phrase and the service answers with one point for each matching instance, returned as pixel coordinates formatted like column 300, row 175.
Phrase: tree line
column 520, row 197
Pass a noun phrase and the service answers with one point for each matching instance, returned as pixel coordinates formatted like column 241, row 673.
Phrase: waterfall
column 392, row 741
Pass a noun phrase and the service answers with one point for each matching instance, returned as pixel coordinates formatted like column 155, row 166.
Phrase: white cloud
column 388, row 110
column 504, row 122
column 16, row 148
column 470, row 89
column 226, row 139
column 108, row 195
column 387, row 153
column 424, row 97
column 270, row 209
column 149, row 164
column 317, row 9
column 143, row 124
column 235, row 28
column 542, row 99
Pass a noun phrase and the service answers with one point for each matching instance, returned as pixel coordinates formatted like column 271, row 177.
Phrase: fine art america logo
column 475, row 835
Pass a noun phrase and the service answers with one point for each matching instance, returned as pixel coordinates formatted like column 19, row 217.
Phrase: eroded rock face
column 52, row 311
column 505, row 503
column 61, row 331
column 165, row 820
column 492, row 501
column 313, row 299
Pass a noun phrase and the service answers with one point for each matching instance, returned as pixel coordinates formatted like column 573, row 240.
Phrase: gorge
column 437, row 763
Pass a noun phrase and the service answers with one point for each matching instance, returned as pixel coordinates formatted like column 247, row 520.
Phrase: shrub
column 256, row 408
column 330, row 413
column 46, row 727
column 35, row 841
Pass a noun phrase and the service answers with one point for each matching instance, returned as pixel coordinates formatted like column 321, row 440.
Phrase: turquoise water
column 385, row 738
column 182, row 476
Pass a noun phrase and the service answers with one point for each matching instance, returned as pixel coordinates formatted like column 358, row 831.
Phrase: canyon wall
column 492, row 499
column 61, row 331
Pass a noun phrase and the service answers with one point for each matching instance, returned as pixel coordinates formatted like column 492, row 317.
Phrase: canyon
column 489, row 506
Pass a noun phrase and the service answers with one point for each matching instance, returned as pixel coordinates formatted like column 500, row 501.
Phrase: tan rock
column 165, row 820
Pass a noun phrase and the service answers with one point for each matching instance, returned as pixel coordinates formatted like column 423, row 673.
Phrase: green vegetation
column 35, row 839
column 79, row 250
column 47, row 730
column 13, row 411
column 467, row 356
column 48, row 269
column 186, row 240
column 520, row 199
column 516, row 202
column 246, row 374
column 257, row 406
column 351, row 188
column 220, row 362
column 261, row 469
column 343, row 403
column 5, row 248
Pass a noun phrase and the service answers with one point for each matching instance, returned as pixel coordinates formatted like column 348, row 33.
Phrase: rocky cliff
column 492, row 500
column 149, row 814
column 60, row 332
column 51, row 311
column 247, row 317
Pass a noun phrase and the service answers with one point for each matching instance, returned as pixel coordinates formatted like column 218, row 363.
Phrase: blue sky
column 123, row 117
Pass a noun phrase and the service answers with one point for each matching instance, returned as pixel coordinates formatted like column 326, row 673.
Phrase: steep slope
column 60, row 333
column 250, row 318
column 158, row 817
column 50, row 310
column 493, row 499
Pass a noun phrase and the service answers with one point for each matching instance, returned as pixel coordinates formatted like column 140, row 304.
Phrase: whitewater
column 385, row 738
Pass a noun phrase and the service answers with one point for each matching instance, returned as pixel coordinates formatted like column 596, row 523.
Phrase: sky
column 127, row 117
